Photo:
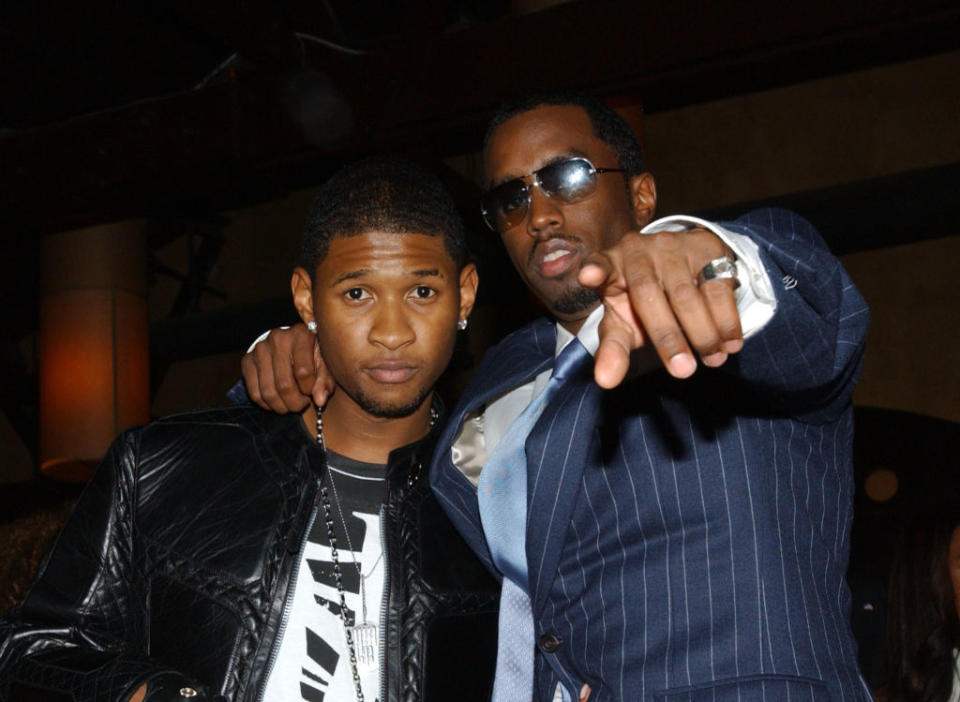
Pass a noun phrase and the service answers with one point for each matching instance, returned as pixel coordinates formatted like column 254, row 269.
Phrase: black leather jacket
column 175, row 565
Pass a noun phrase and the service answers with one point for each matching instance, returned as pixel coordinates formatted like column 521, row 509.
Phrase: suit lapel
column 514, row 361
column 557, row 451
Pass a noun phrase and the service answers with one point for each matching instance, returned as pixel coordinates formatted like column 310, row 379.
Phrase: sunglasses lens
column 570, row 180
column 506, row 204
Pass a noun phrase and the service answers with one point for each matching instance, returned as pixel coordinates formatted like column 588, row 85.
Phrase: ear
column 302, row 289
column 469, row 280
column 643, row 199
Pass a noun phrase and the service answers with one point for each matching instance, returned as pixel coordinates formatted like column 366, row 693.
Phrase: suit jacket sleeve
column 807, row 358
column 81, row 633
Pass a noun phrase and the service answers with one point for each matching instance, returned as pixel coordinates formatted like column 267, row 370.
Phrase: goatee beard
column 384, row 411
column 575, row 300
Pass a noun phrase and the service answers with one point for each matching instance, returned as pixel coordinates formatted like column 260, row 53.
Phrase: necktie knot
column 571, row 357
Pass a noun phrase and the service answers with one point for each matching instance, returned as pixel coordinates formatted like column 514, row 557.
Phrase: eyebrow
column 363, row 272
column 351, row 275
column 426, row 273
column 563, row 156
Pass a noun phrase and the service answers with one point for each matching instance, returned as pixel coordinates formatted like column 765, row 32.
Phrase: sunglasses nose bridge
column 543, row 213
column 533, row 181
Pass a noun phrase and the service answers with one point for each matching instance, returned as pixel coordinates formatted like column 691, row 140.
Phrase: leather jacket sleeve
column 81, row 633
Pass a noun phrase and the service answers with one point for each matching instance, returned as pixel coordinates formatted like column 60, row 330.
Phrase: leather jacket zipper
column 384, row 603
column 287, row 602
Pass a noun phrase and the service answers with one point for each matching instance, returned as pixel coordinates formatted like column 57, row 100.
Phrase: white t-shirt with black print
column 312, row 663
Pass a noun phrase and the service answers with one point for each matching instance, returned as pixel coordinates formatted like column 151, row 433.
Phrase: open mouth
column 554, row 257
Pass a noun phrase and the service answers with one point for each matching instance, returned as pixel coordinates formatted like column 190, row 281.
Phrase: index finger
column 612, row 360
column 303, row 365
column 324, row 385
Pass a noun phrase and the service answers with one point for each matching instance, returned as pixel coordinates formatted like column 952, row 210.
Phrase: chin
column 393, row 408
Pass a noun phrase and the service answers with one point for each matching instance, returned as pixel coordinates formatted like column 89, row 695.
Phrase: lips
column 554, row 257
column 391, row 372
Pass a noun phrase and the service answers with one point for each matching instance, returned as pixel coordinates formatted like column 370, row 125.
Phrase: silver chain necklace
column 364, row 634
column 353, row 552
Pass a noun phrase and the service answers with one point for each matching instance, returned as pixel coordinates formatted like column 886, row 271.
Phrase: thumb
column 596, row 271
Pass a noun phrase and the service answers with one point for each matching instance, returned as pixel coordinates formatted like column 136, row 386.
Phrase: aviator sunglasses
column 571, row 180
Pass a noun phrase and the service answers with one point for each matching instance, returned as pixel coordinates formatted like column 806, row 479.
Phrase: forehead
column 384, row 253
column 529, row 140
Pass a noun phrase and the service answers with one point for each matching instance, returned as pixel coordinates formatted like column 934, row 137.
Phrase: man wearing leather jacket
column 234, row 554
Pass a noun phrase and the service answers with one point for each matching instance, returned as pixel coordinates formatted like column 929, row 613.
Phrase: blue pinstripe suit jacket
column 687, row 540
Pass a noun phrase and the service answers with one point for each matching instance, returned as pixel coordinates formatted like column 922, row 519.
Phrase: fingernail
column 682, row 365
column 733, row 346
column 715, row 359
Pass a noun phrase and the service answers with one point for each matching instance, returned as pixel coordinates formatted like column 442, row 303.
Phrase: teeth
column 555, row 255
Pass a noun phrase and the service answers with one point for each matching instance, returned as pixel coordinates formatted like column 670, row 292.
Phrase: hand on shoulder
column 285, row 371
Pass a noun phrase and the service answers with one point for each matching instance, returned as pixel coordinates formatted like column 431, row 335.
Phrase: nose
column 544, row 215
column 391, row 326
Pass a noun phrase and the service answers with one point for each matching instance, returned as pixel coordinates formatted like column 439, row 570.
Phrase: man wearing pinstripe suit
column 686, row 533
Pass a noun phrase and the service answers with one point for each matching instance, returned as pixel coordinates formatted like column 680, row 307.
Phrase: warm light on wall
column 94, row 370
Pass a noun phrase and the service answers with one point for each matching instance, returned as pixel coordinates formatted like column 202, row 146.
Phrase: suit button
column 549, row 643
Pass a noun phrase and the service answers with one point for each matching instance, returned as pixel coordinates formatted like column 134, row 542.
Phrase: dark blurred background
column 157, row 161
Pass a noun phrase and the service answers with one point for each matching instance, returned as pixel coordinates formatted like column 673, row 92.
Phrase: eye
column 356, row 294
column 423, row 292
column 513, row 196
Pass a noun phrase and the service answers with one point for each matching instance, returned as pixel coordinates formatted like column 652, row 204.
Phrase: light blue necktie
column 502, row 495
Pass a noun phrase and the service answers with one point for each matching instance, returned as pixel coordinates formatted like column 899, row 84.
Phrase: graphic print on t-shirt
column 322, row 569
column 312, row 662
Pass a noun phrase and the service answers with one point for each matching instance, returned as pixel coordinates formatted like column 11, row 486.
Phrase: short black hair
column 385, row 194
column 608, row 125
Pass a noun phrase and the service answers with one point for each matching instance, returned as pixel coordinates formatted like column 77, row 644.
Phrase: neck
column 352, row 432
column 574, row 325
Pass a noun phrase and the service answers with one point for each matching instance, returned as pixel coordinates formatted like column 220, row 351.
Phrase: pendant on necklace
column 366, row 643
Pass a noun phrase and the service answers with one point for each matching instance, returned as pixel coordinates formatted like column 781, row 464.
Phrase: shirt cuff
column 756, row 301
column 261, row 338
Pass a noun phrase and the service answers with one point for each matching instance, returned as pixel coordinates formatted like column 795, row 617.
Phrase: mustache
column 542, row 241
